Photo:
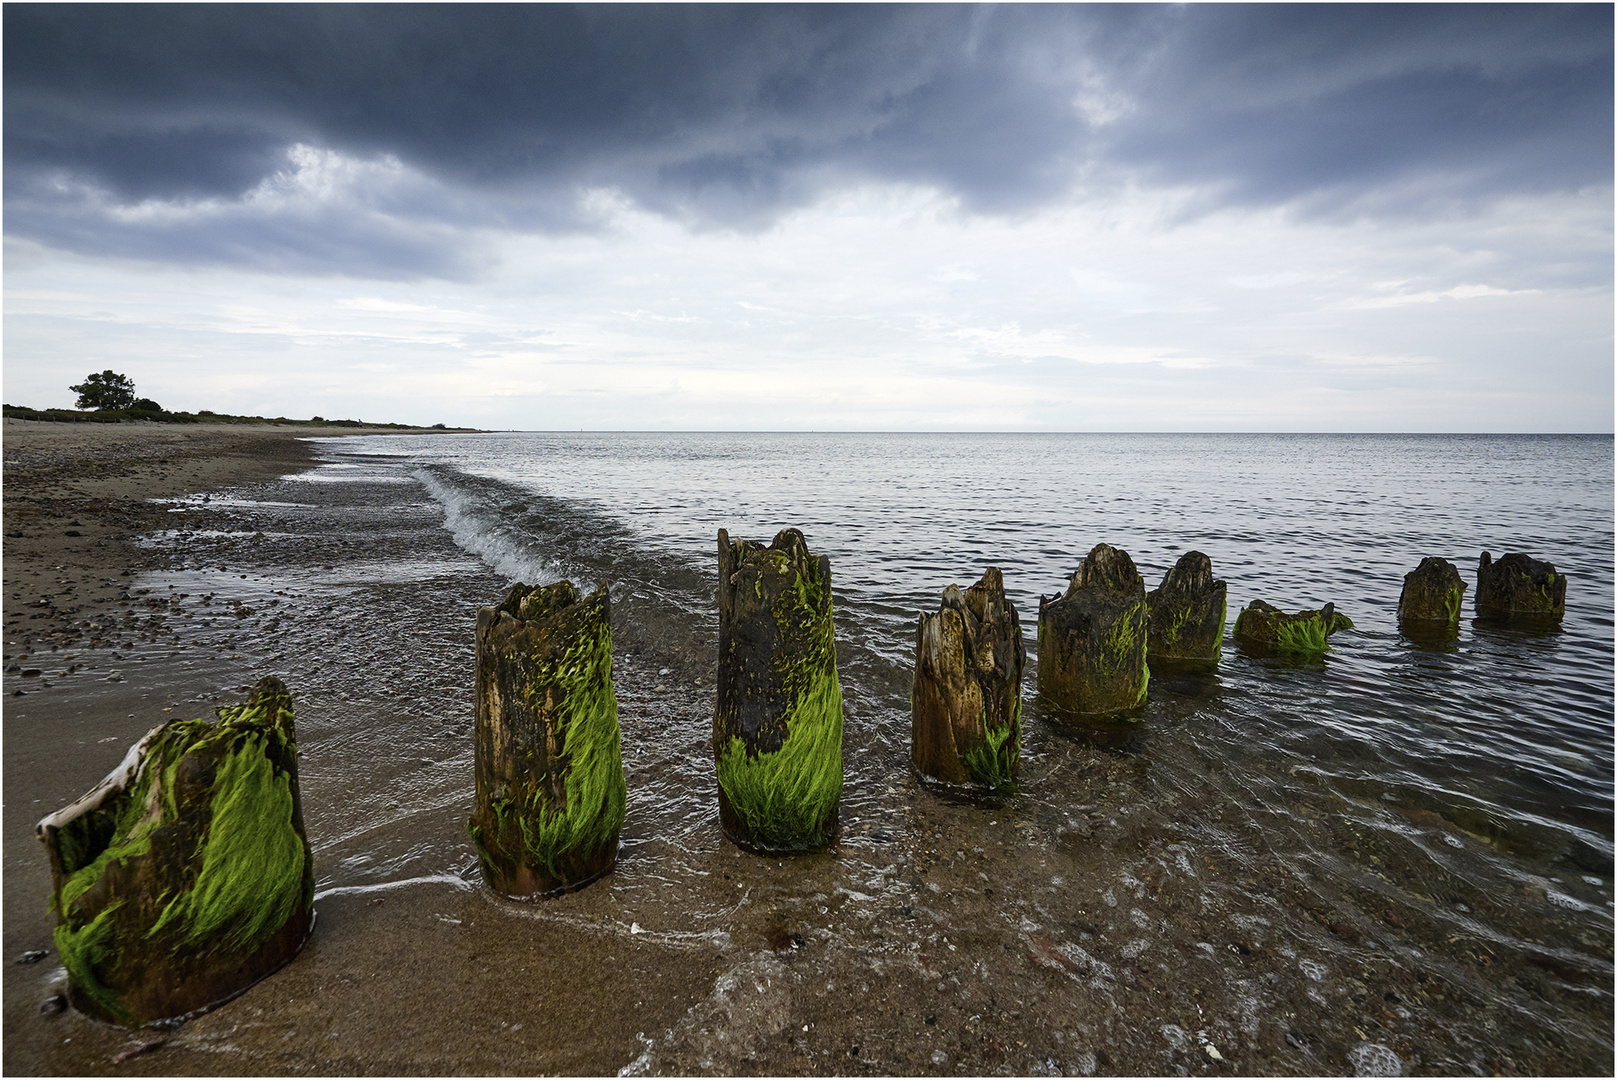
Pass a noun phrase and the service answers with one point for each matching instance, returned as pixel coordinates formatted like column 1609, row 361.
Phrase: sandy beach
column 1097, row 935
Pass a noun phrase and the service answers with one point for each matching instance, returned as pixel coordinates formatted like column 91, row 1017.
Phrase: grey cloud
column 729, row 115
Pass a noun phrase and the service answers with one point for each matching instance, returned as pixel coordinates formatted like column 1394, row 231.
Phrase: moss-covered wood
column 777, row 724
column 185, row 876
column 548, row 762
column 1429, row 605
column 966, row 701
column 1520, row 588
column 1264, row 629
column 1186, row 615
column 1092, row 639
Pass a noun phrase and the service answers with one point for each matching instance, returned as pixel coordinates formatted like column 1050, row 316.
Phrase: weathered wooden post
column 1520, row 588
column 1092, row 639
column 777, row 724
column 966, row 702
column 1187, row 615
column 184, row 877
column 1263, row 629
column 1429, row 605
column 549, row 768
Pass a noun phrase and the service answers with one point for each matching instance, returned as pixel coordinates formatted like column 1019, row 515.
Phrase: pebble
column 54, row 1004
column 33, row 956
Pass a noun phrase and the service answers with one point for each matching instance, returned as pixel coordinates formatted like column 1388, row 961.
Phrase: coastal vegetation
column 108, row 397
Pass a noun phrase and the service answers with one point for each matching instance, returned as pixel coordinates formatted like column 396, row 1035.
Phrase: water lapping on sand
column 1394, row 807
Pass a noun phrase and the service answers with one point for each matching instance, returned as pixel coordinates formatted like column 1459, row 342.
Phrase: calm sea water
column 1414, row 795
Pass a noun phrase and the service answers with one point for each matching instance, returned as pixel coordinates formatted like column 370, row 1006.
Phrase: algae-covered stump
column 549, row 768
column 1186, row 615
column 966, row 702
column 1430, row 601
column 777, row 724
column 1092, row 639
column 1520, row 588
column 1264, row 629
column 184, row 877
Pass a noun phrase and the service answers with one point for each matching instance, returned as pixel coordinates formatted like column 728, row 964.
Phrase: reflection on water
column 1396, row 809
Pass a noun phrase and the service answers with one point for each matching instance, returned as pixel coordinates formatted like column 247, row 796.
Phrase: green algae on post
column 1186, row 615
column 185, row 876
column 1092, row 639
column 1264, row 629
column 549, row 768
column 1520, row 588
column 1429, row 605
column 777, row 722
column 966, row 700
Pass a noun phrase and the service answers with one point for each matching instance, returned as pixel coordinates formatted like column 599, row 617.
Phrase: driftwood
column 777, row 724
column 1429, row 605
column 1092, row 639
column 1264, row 629
column 966, row 702
column 1186, row 614
column 185, row 876
column 550, row 788
column 1520, row 588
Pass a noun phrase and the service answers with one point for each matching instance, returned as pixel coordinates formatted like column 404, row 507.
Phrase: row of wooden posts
column 186, row 875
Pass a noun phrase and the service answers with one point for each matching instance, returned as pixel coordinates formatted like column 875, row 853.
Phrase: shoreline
column 1140, row 934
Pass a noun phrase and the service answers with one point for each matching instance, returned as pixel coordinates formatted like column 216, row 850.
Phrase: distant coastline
column 203, row 416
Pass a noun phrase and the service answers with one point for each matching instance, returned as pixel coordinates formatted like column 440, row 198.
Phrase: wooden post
column 1264, row 630
column 549, row 767
column 1520, row 588
column 185, row 876
column 1429, row 605
column 1092, row 639
column 966, row 701
column 777, row 725
column 1187, row 615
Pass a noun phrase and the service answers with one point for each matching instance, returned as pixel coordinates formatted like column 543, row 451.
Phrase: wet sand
column 1131, row 952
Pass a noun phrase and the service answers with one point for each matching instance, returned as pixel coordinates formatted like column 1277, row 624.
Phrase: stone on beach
column 1186, row 614
column 1519, row 587
column 1263, row 628
column 550, row 792
column 1431, row 598
column 185, row 876
column 1092, row 639
column 966, row 700
column 777, row 723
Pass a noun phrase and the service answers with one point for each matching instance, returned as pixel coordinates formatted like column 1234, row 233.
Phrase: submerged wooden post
column 184, row 877
column 777, row 725
column 1264, row 629
column 1520, row 587
column 966, row 701
column 1092, row 638
column 549, row 768
column 1187, row 613
column 1429, row 604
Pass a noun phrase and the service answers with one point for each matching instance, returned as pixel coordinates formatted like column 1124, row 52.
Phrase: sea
column 1405, row 847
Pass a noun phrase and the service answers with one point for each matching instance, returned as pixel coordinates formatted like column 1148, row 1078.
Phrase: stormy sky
column 1134, row 217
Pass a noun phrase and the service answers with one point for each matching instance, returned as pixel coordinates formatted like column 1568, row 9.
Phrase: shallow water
column 1272, row 839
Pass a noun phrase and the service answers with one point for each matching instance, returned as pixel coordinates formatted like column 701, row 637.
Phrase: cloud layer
column 391, row 142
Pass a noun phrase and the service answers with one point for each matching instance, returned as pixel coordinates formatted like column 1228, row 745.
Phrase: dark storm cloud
column 729, row 115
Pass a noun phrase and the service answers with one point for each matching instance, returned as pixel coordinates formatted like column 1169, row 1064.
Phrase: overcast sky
column 1371, row 218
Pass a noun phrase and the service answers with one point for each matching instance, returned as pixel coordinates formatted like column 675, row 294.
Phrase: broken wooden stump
column 1264, row 629
column 1520, row 588
column 1429, row 605
column 1092, row 639
column 777, row 724
column 549, row 768
column 966, row 701
column 1186, row 615
column 185, row 876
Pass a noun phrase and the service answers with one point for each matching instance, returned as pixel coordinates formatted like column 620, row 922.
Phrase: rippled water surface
column 1396, row 812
